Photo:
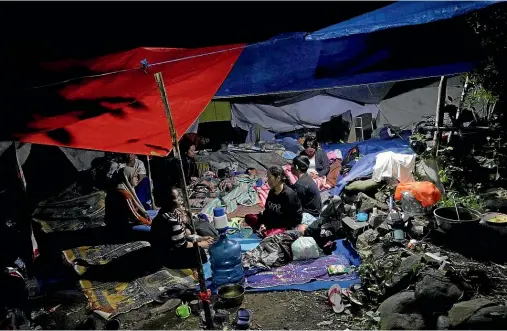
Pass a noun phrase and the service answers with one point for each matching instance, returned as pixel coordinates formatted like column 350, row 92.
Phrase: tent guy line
column 145, row 64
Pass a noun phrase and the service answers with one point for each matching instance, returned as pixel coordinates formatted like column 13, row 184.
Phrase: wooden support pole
column 148, row 169
column 202, row 281
column 23, row 217
column 439, row 117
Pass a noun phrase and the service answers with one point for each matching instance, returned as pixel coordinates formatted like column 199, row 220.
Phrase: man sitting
column 306, row 189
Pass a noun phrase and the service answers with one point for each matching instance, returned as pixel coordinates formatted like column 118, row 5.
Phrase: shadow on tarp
column 28, row 110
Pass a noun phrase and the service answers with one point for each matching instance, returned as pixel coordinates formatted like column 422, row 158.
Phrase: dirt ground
column 291, row 310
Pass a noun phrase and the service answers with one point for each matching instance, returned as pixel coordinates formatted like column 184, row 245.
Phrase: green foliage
column 469, row 201
column 490, row 28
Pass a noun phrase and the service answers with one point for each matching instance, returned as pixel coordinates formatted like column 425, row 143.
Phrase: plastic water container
column 220, row 218
column 225, row 260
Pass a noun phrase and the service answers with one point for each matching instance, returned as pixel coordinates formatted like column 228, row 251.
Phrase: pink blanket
column 263, row 190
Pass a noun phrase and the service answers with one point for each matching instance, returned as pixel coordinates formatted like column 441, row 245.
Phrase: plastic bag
column 305, row 248
column 424, row 192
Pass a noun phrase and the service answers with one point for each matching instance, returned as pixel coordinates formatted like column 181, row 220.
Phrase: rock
column 325, row 323
column 378, row 251
column 362, row 186
column 496, row 205
column 366, row 239
column 436, row 292
column 368, row 203
column 418, row 224
column 488, row 318
column 402, row 276
column 462, row 311
column 402, row 322
column 443, row 323
column 401, row 303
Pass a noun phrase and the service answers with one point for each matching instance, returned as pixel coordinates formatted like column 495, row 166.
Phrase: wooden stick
column 25, row 217
column 148, row 169
column 442, row 91
column 202, row 281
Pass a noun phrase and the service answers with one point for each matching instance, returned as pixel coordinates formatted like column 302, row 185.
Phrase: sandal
column 244, row 319
column 334, row 296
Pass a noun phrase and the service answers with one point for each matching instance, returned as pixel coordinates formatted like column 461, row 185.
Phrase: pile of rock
column 434, row 300
column 411, row 310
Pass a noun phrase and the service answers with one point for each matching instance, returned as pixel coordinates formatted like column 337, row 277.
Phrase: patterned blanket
column 109, row 299
column 77, row 213
column 243, row 194
column 82, row 257
column 300, row 272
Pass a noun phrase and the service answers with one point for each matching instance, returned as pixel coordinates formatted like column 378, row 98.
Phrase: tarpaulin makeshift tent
column 290, row 63
column 400, row 104
column 399, row 14
column 119, row 109
column 309, row 113
column 406, row 108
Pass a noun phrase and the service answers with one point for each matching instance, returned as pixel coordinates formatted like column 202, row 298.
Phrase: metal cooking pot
column 231, row 295
column 447, row 219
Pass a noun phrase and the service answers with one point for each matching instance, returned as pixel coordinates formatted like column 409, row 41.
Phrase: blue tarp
column 368, row 150
column 368, row 146
column 293, row 64
column 343, row 247
column 289, row 63
column 399, row 14
column 364, row 168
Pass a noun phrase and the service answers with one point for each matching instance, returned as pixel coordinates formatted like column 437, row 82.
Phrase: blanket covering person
column 274, row 251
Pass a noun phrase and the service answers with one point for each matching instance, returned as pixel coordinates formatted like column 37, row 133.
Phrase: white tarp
column 390, row 165
column 309, row 113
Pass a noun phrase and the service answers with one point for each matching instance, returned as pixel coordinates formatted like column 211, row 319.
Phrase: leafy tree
column 490, row 28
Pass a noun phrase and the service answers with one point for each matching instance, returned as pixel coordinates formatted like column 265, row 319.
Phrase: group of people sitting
column 287, row 206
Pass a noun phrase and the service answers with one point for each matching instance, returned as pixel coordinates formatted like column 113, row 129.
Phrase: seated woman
column 123, row 210
column 170, row 239
column 283, row 209
column 190, row 169
column 306, row 189
column 319, row 162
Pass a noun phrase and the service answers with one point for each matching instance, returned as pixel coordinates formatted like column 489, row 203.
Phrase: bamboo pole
column 202, row 282
column 439, row 116
column 460, row 104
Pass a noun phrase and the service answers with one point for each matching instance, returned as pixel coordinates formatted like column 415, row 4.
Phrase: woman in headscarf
column 123, row 210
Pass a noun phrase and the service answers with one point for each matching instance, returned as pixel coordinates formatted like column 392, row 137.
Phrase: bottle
column 353, row 211
column 219, row 218
column 225, row 255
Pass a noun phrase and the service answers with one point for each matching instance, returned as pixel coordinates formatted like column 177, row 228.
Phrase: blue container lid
column 218, row 211
column 362, row 217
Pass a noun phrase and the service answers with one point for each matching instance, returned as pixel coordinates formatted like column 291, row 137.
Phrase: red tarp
column 123, row 112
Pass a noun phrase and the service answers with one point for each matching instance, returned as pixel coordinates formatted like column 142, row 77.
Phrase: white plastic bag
column 305, row 248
